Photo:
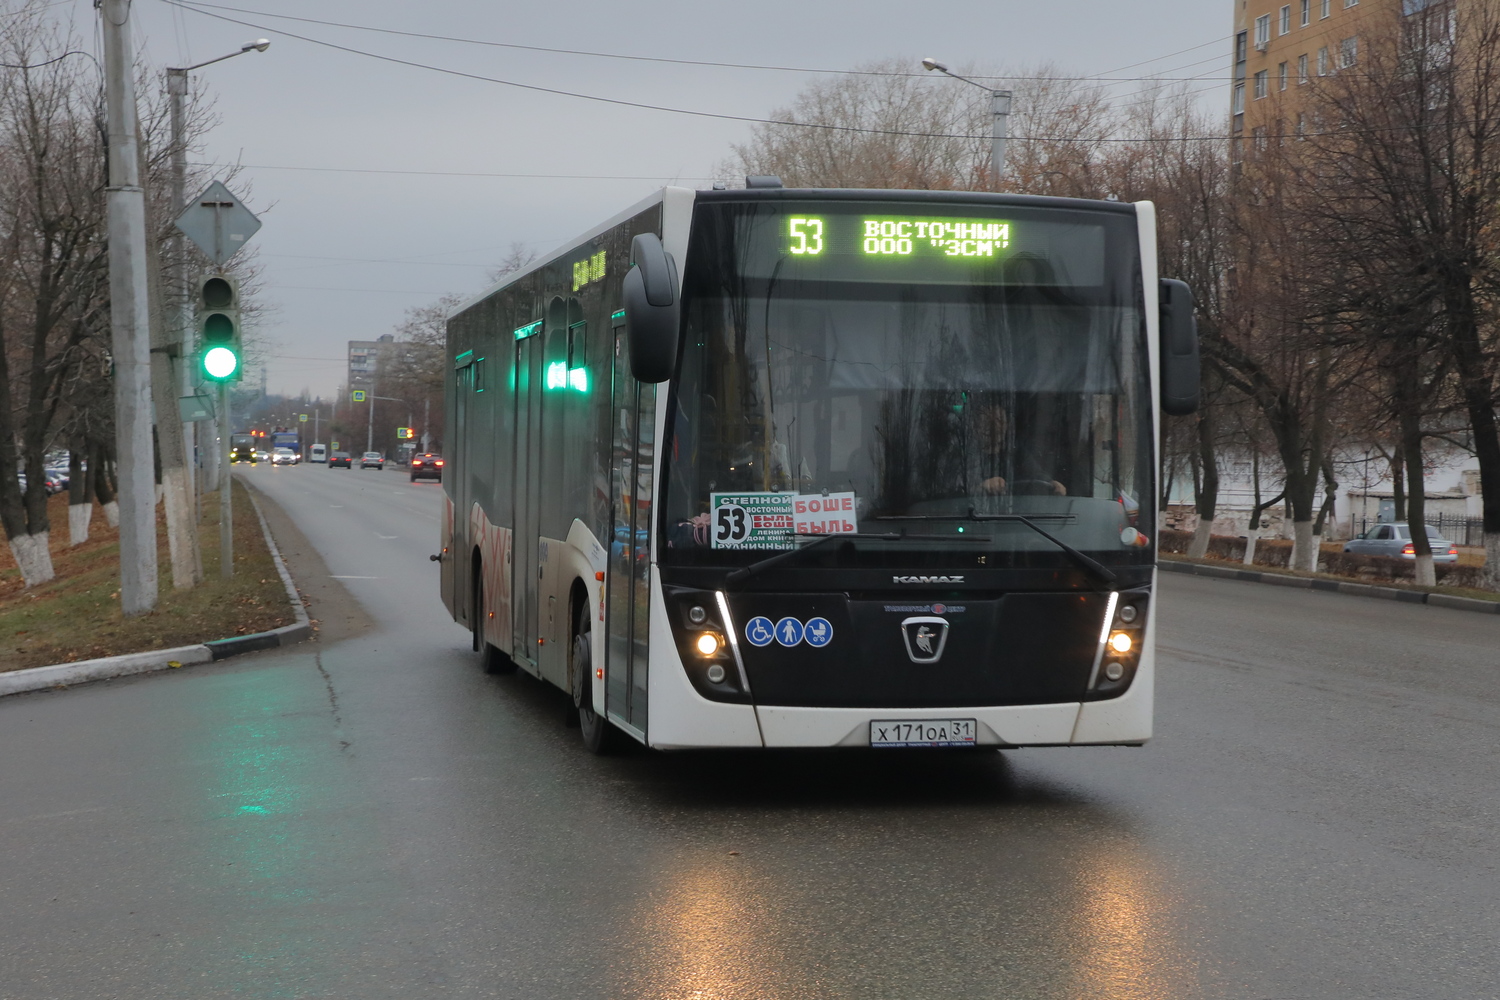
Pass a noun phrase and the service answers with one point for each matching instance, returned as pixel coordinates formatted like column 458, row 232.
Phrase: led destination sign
column 954, row 245
column 890, row 236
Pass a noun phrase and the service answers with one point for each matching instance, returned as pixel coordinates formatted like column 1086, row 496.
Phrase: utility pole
column 370, row 430
column 426, row 422
column 129, row 318
column 167, row 339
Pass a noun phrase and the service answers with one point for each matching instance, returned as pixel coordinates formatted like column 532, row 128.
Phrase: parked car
column 372, row 458
column 426, row 466
column 283, row 456
column 1395, row 540
column 57, row 481
column 340, row 459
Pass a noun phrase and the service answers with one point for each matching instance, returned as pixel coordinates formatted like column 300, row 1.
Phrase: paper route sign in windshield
column 773, row 520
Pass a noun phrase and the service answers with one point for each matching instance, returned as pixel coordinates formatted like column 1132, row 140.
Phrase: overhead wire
column 204, row 7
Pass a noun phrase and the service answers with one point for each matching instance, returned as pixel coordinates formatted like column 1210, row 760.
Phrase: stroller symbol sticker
column 759, row 631
column 818, row 632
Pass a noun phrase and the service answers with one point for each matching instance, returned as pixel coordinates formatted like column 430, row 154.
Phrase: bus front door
column 632, row 467
column 527, row 486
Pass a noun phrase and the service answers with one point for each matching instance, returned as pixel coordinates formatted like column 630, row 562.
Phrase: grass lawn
column 76, row 615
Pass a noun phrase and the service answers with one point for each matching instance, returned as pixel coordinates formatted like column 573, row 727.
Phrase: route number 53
column 807, row 236
column 731, row 525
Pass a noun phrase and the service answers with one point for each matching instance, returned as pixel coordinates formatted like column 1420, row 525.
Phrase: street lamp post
column 168, row 388
column 999, row 108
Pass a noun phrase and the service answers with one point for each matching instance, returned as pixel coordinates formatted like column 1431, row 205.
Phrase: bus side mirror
column 652, row 310
column 1178, row 353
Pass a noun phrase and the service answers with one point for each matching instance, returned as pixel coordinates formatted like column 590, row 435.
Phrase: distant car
column 283, row 456
column 262, row 456
column 318, row 453
column 57, row 481
column 426, row 466
column 374, row 458
column 340, row 459
column 1395, row 540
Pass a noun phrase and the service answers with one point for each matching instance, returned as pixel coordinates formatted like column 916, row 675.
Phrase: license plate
column 922, row 733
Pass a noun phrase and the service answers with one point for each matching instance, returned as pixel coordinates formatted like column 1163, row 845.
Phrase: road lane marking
column 332, row 577
column 386, row 537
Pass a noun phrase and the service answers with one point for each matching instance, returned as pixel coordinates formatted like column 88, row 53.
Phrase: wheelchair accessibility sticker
column 759, row 631
column 817, row 632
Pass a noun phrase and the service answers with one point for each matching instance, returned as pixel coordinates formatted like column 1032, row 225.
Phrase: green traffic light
column 220, row 363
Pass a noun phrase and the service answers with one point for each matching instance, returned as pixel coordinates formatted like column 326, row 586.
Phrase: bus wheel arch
column 599, row 734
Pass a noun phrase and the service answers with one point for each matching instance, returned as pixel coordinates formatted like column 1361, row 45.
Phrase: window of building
column 1263, row 31
column 1302, row 68
column 1239, row 98
column 1258, row 138
column 1348, row 52
column 1301, row 124
column 1260, row 84
column 1239, row 47
column 1286, row 20
column 1323, row 11
column 1281, row 76
column 1351, row 3
column 1323, row 61
column 1306, row 12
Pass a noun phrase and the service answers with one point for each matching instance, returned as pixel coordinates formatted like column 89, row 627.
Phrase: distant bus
column 242, row 448
column 318, row 453
column 286, row 439
column 798, row 468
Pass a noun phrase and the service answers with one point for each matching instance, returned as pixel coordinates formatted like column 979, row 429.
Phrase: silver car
column 1395, row 540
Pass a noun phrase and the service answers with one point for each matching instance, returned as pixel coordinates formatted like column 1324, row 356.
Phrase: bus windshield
column 926, row 370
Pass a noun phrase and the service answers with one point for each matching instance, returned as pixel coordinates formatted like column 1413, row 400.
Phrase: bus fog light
column 1114, row 671
column 697, row 615
column 1120, row 642
column 716, row 674
column 1128, row 614
column 708, row 644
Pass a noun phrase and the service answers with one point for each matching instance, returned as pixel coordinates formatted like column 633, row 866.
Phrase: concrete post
column 130, row 319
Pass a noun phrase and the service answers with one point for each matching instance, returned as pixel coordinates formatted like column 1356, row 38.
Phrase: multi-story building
column 1280, row 48
column 366, row 359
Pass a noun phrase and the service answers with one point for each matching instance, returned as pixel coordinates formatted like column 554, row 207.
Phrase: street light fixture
column 999, row 107
column 177, row 90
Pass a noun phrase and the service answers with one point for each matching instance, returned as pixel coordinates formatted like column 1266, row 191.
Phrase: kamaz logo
column 927, row 579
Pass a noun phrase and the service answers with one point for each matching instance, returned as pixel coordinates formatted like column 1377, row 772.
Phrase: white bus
column 815, row 468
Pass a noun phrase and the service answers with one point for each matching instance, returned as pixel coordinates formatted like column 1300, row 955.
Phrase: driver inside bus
column 998, row 454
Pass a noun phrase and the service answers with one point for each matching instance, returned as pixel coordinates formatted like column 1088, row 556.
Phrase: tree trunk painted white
column 1304, row 548
column 33, row 557
column 1492, row 560
column 79, row 516
column 1198, row 547
column 160, row 493
column 1317, row 553
column 1426, row 573
column 186, row 573
column 112, row 513
column 1251, row 537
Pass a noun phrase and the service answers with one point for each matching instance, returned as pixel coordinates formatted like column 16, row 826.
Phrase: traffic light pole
column 226, row 500
column 130, row 320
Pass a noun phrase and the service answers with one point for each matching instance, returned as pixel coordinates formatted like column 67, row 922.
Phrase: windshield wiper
column 744, row 573
column 1103, row 572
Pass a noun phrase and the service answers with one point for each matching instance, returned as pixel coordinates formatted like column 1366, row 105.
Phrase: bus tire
column 491, row 659
column 599, row 735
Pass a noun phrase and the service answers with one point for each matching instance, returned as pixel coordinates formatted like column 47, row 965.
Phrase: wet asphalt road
column 375, row 817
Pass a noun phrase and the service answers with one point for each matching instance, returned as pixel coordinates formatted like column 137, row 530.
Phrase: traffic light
column 219, row 351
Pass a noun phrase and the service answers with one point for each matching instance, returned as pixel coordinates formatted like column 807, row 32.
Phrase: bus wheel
column 598, row 734
column 493, row 661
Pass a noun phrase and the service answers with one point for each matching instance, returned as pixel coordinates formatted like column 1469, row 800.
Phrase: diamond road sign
column 218, row 223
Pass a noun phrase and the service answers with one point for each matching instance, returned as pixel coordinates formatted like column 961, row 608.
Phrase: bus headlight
column 1121, row 642
column 707, row 644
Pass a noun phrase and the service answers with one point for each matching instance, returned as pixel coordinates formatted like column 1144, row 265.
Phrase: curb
column 106, row 667
column 1336, row 586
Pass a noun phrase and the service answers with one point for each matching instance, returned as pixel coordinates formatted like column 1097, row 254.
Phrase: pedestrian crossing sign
column 358, row 395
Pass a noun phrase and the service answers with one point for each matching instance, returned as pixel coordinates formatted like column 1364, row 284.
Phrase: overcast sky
column 347, row 249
